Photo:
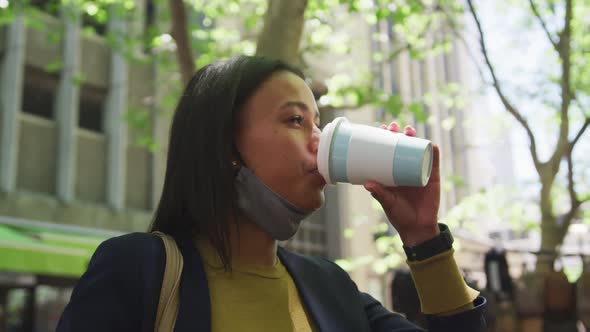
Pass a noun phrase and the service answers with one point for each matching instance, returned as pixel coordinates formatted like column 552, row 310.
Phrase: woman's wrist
column 432, row 247
column 416, row 236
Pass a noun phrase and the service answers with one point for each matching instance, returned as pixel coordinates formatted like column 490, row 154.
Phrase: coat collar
column 326, row 295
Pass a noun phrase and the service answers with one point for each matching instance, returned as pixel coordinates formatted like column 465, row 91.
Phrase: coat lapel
column 331, row 300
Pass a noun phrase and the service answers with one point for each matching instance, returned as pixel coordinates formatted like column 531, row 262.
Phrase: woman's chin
column 313, row 201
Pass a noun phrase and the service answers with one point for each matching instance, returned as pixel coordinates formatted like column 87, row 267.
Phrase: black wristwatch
column 439, row 244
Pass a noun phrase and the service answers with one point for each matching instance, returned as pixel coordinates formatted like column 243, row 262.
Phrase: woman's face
column 278, row 139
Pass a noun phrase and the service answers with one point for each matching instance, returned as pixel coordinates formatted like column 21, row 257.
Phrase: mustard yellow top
column 264, row 298
column 252, row 297
column 440, row 286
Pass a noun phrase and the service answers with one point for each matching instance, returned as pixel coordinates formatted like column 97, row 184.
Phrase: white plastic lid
column 323, row 157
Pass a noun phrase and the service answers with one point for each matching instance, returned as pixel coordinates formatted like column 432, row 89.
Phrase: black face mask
column 262, row 206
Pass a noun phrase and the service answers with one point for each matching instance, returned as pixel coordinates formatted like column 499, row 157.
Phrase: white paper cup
column 355, row 153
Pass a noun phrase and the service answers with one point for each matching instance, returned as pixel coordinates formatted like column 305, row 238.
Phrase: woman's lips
column 317, row 176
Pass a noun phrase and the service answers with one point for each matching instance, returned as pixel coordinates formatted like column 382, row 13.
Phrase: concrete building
column 69, row 166
column 67, row 155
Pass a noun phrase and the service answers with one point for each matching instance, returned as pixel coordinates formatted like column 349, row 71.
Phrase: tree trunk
column 179, row 30
column 551, row 238
column 283, row 26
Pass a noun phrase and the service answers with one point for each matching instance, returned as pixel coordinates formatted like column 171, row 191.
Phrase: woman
column 242, row 174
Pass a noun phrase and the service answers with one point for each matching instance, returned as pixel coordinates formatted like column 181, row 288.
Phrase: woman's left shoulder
column 119, row 290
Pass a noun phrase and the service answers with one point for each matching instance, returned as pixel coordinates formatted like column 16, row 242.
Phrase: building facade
column 71, row 175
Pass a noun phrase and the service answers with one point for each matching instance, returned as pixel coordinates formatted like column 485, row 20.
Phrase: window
column 39, row 92
column 150, row 28
column 150, row 13
column 92, row 103
column 93, row 17
column 47, row 6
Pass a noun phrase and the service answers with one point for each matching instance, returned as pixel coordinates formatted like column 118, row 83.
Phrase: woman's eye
column 297, row 120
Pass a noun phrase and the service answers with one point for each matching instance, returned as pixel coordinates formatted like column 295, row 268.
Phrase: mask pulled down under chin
column 262, row 206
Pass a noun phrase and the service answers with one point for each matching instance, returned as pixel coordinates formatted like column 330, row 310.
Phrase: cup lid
column 325, row 147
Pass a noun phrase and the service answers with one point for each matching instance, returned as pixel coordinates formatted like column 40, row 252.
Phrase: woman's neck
column 251, row 245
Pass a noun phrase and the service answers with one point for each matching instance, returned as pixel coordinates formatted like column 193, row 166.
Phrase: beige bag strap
column 169, row 301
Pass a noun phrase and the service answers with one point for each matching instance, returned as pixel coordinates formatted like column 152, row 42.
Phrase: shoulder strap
column 168, row 303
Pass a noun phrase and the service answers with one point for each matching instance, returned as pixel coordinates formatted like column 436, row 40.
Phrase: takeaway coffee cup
column 355, row 153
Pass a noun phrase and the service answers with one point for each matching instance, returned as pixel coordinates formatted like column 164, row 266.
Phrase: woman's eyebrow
column 301, row 105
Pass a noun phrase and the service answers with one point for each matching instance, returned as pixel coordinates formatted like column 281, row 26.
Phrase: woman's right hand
column 413, row 211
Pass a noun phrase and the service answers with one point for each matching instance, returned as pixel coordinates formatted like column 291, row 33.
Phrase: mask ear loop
column 237, row 163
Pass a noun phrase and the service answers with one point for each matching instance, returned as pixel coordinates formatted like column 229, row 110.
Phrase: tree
column 571, row 47
column 283, row 22
column 179, row 30
column 279, row 38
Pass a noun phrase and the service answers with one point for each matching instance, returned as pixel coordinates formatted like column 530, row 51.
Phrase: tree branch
column 574, row 201
column 564, row 221
column 540, row 18
column 179, row 31
column 509, row 107
column 407, row 46
column 580, row 133
column 564, row 51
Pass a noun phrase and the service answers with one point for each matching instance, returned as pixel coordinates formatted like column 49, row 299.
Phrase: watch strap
column 437, row 245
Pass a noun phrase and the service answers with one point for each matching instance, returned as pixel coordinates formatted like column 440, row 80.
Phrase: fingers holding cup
column 410, row 131
column 394, row 126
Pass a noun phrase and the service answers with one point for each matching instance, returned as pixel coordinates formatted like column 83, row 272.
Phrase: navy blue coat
column 120, row 292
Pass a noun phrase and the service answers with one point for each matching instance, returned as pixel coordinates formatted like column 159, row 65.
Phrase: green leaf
column 34, row 23
column 382, row 13
column 78, row 79
column 457, row 180
column 348, row 233
column 7, row 16
column 54, row 66
column 353, row 7
column 251, row 22
column 380, row 267
column 393, row 105
column 417, row 109
column 344, row 264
